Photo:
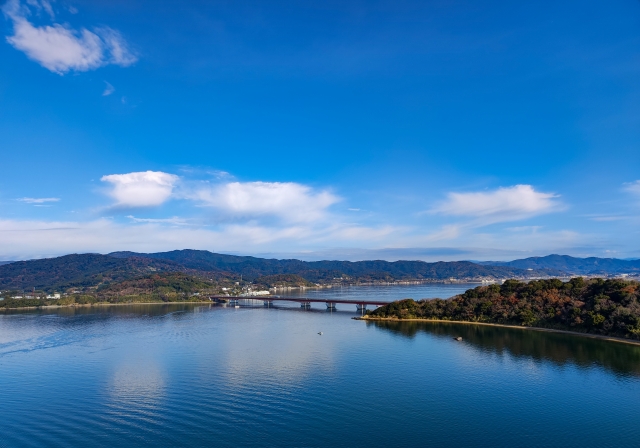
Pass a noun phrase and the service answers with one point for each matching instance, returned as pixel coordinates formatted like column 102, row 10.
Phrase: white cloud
column 108, row 89
column 141, row 189
column 633, row 187
column 37, row 200
column 287, row 200
column 60, row 48
column 503, row 204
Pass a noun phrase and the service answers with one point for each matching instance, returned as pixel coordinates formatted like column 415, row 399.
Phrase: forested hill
column 605, row 307
column 572, row 265
column 320, row 271
column 77, row 270
column 88, row 270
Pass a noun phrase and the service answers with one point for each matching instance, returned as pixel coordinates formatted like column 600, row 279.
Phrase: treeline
column 163, row 287
column 606, row 307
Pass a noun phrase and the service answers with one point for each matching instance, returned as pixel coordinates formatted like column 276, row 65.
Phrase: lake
column 188, row 375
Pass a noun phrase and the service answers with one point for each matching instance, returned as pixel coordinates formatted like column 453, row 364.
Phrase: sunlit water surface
column 185, row 375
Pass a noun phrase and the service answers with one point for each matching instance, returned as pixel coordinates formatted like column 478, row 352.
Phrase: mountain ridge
column 373, row 270
column 572, row 265
column 92, row 270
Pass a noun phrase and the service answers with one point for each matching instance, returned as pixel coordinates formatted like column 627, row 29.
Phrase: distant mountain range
column 88, row 270
column 572, row 265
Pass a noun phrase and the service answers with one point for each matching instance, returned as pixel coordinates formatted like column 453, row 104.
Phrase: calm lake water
column 185, row 375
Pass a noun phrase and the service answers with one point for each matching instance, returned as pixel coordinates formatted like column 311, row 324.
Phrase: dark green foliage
column 77, row 271
column 607, row 307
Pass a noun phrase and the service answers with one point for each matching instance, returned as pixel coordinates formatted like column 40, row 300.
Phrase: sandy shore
column 517, row 327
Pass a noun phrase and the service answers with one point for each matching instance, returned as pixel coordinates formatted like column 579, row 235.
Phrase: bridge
column 361, row 305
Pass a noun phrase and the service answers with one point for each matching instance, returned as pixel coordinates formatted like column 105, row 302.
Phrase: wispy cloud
column 173, row 220
column 60, row 48
column 42, row 5
column 500, row 205
column 37, row 200
column 140, row 189
column 604, row 218
column 633, row 187
column 446, row 232
column 20, row 239
column 108, row 90
column 27, row 239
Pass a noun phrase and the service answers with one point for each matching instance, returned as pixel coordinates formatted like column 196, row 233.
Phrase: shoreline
column 98, row 304
column 517, row 327
column 363, row 318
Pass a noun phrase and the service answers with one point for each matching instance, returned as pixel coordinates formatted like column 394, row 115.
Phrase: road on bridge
column 304, row 302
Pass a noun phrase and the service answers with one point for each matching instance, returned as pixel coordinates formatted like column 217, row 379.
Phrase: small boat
column 320, row 333
column 459, row 338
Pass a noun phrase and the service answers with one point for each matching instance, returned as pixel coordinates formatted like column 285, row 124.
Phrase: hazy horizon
column 352, row 255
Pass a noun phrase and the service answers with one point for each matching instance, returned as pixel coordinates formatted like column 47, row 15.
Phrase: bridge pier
column 331, row 306
column 268, row 303
column 361, row 306
column 305, row 305
column 233, row 301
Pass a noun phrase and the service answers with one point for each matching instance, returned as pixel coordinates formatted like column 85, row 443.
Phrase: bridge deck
column 303, row 300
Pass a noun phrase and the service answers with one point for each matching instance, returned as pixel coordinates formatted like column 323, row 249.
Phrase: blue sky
column 440, row 130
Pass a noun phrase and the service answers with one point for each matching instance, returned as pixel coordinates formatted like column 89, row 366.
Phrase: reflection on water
column 558, row 348
column 204, row 375
column 137, row 384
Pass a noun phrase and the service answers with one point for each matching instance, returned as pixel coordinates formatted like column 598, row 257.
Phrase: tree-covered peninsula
column 596, row 306
column 155, row 288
